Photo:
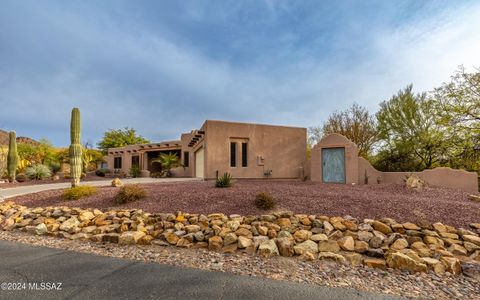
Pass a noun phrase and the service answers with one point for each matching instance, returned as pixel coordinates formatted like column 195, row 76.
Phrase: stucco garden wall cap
column 334, row 138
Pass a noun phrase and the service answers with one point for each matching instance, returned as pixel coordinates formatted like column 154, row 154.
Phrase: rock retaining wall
column 375, row 243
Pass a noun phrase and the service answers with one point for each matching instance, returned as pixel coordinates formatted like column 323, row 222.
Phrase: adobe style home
column 244, row 150
column 254, row 151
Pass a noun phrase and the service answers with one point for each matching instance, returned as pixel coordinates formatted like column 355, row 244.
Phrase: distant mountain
column 20, row 139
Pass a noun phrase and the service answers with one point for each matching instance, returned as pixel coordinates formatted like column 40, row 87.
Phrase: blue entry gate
column 333, row 165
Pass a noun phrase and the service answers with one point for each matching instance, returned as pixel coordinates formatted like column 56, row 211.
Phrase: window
column 244, row 155
column 186, row 159
column 135, row 161
column 233, row 154
column 117, row 162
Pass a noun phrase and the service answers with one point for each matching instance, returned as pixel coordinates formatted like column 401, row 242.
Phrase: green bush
column 130, row 193
column 55, row 166
column 224, row 181
column 78, row 192
column 102, row 172
column 135, row 171
column 264, row 201
column 21, row 178
column 38, row 172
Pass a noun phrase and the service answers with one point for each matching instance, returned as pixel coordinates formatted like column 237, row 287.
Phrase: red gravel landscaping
column 395, row 201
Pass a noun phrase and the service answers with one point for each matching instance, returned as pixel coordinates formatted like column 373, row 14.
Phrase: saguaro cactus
column 12, row 158
column 75, row 151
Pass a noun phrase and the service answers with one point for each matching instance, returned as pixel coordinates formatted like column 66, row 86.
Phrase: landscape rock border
column 380, row 243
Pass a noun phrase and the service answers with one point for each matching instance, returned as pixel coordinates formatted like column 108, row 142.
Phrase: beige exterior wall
column 186, row 171
column 360, row 171
column 367, row 174
column 277, row 148
column 442, row 176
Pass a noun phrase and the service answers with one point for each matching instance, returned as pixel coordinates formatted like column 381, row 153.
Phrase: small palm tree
column 168, row 161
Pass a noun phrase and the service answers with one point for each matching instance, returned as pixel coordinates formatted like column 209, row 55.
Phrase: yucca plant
column 168, row 161
column 224, row 181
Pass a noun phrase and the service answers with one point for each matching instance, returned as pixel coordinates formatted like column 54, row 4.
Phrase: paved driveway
column 28, row 189
column 86, row 276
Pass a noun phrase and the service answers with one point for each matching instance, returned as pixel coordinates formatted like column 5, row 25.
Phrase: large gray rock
column 471, row 269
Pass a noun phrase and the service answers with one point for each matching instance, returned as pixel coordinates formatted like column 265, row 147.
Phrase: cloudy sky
column 163, row 67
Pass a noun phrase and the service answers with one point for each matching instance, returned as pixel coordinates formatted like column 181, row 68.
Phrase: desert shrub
column 21, row 178
column 55, row 167
column 130, row 193
column 78, row 192
column 224, row 181
column 264, row 201
column 102, row 172
column 38, row 172
column 135, row 171
column 156, row 174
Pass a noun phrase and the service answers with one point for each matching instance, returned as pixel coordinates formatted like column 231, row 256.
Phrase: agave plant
column 224, row 181
column 168, row 161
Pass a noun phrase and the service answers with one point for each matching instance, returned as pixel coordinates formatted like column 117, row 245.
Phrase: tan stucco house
column 242, row 149
column 254, row 151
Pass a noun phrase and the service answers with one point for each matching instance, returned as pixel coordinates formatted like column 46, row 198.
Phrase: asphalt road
column 87, row 276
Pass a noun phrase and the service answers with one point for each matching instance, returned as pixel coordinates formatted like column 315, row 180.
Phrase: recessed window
column 117, row 162
column 233, row 154
column 186, row 159
column 135, row 161
column 244, row 154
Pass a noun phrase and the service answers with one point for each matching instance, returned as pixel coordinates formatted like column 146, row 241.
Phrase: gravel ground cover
column 418, row 285
column 432, row 205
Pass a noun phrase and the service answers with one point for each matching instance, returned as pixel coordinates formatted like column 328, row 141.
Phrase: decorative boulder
column 117, row 182
column 416, row 183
